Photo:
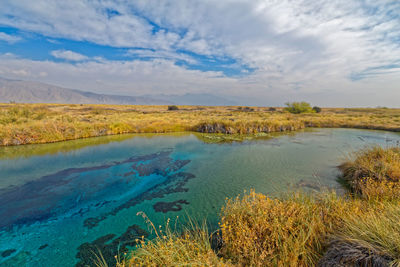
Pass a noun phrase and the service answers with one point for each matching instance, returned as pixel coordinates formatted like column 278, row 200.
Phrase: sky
column 257, row 52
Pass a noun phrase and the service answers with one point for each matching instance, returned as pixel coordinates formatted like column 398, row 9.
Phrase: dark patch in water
column 298, row 142
column 7, row 252
column 128, row 174
column 308, row 184
column 165, row 207
column 161, row 167
column 173, row 184
column 75, row 191
column 109, row 246
column 43, row 246
column 22, row 258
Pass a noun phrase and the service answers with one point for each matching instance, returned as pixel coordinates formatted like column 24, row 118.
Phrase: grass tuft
column 260, row 231
column 189, row 247
column 369, row 238
column 374, row 173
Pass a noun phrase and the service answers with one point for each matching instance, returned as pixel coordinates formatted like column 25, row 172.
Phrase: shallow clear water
column 56, row 197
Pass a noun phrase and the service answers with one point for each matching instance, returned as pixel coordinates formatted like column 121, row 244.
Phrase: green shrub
column 246, row 109
column 317, row 109
column 298, row 107
column 173, row 107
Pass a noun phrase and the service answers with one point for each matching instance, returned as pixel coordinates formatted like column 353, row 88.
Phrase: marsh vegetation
column 44, row 123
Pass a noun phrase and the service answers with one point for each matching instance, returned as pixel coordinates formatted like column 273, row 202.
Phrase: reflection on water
column 60, row 201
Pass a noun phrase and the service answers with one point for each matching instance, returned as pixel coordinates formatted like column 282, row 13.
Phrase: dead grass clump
column 374, row 172
column 297, row 230
column 347, row 253
column 190, row 247
column 260, row 231
column 368, row 239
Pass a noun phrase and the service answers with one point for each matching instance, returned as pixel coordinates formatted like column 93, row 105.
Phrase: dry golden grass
column 298, row 230
column 190, row 247
column 374, row 173
column 259, row 231
column 294, row 231
column 43, row 123
column 323, row 229
column 377, row 229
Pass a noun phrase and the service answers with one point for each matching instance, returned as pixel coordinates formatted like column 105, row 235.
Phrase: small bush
column 317, row 109
column 245, row 109
column 248, row 109
column 272, row 109
column 298, row 107
column 173, row 107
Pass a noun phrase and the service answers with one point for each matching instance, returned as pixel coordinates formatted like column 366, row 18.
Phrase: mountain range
column 20, row 91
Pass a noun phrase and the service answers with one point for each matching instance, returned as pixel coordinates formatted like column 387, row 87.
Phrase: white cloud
column 122, row 77
column 9, row 38
column 68, row 55
column 160, row 54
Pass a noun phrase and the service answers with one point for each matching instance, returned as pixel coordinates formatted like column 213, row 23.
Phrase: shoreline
column 22, row 124
column 372, row 128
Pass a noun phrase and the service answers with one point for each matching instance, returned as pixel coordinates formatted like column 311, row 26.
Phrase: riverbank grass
column 44, row 123
column 374, row 173
column 170, row 247
column 293, row 231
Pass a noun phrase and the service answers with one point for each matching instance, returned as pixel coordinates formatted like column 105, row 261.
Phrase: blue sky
column 330, row 53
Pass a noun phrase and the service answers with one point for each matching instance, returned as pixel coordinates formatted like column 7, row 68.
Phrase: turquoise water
column 60, row 202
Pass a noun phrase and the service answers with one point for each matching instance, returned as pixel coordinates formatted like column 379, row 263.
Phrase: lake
column 59, row 201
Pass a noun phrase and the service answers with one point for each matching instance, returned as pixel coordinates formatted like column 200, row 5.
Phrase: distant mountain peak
column 21, row 91
column 37, row 92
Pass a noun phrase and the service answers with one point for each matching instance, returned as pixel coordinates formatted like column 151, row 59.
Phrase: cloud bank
column 9, row 38
column 68, row 55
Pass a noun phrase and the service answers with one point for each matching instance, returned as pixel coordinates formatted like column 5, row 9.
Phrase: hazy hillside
column 37, row 92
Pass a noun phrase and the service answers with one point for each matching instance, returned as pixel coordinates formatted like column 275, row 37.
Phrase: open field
column 44, row 123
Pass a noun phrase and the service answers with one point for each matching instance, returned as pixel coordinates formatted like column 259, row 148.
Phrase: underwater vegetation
column 70, row 192
column 104, row 249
